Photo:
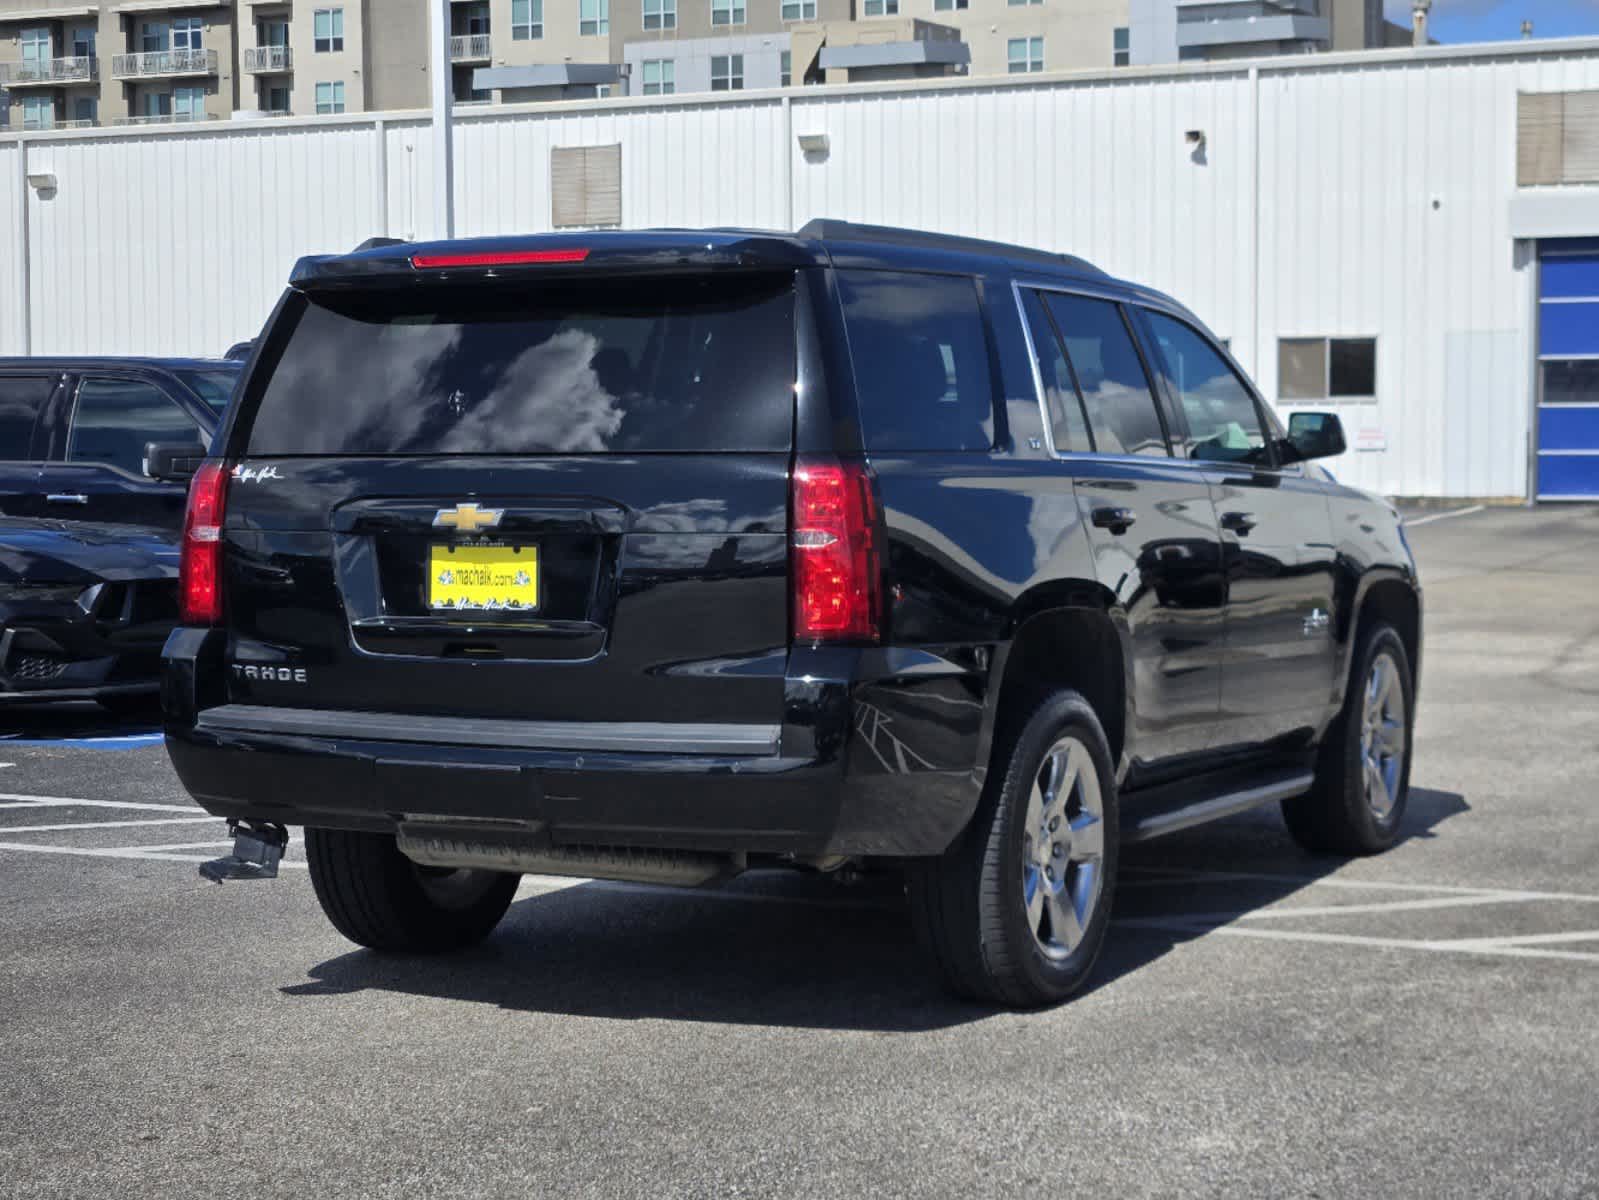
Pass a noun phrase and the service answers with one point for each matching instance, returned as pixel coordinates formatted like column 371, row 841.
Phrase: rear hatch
column 552, row 498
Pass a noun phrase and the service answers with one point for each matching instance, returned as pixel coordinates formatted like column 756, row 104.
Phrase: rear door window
column 21, row 399
column 1068, row 424
column 701, row 363
column 1223, row 422
column 920, row 352
column 1116, row 392
column 114, row 418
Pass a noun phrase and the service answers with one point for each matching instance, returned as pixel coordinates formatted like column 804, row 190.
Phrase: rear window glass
column 214, row 386
column 561, row 367
column 921, row 360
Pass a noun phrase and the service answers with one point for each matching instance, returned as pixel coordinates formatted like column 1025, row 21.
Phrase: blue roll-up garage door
column 1568, row 371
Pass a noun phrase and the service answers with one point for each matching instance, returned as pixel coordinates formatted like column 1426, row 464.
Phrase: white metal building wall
column 1344, row 196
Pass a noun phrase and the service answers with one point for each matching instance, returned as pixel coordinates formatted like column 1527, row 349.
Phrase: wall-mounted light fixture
column 42, row 182
column 1195, row 138
column 813, row 146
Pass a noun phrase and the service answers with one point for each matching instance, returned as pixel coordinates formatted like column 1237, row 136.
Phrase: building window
column 83, row 41
column 660, row 77
column 188, row 33
column 727, row 12
column 785, row 68
column 1121, row 47
column 1022, row 3
column 1025, row 55
column 727, row 72
column 155, row 37
column 660, row 14
column 950, row 5
column 527, row 20
column 188, row 103
column 157, row 104
column 277, row 99
column 1326, row 369
column 86, row 110
column 328, row 31
column 36, row 45
column 881, row 8
column 38, row 112
column 594, row 17
column 799, row 10
column 329, row 98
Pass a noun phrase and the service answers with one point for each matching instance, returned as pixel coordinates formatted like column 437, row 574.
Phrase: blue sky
column 1500, row 20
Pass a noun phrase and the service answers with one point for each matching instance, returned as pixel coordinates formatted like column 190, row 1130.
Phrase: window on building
column 1327, row 368
column 83, row 41
column 38, row 112
column 114, row 418
column 1025, row 55
column 1068, row 423
column 727, row 12
column 950, row 5
column 921, row 360
column 86, row 110
column 277, row 99
column 785, row 68
column 188, row 33
column 188, row 103
column 155, row 37
column 594, row 17
column 1110, row 376
column 585, row 186
column 327, row 30
column 527, row 20
column 727, row 72
column 21, row 399
column 881, row 8
column 660, row 76
column 1022, row 3
column 799, row 10
column 1121, row 47
column 36, row 45
column 157, row 104
column 1223, row 422
column 660, row 14
column 272, row 33
column 330, row 98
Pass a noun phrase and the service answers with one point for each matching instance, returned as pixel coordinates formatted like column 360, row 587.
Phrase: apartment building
column 66, row 64
column 1169, row 31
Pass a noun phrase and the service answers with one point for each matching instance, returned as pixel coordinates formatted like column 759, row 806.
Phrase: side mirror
column 1315, row 435
column 173, row 462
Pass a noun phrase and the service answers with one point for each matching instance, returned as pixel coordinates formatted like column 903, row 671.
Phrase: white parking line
column 1175, row 876
column 1464, row 946
column 1340, row 910
column 17, row 800
column 1531, row 939
column 1444, row 516
column 8, row 830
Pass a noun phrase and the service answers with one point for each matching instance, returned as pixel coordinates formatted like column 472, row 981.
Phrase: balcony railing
column 158, row 64
column 79, row 124
column 470, row 48
column 168, row 119
column 47, row 71
column 262, row 60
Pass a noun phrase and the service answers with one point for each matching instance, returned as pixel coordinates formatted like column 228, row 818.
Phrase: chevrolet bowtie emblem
column 467, row 518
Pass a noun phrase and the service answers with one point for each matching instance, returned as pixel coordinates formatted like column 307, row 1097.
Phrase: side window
column 1116, row 394
column 21, row 398
column 1222, row 418
column 1067, row 424
column 920, row 353
column 114, row 419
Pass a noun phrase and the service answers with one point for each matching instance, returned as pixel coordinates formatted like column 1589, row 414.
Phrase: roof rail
column 827, row 230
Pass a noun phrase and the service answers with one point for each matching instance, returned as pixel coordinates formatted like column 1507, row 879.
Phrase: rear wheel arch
column 1080, row 646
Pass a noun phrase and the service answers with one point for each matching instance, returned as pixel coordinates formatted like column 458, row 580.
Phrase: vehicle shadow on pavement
column 27, row 724
column 782, row 950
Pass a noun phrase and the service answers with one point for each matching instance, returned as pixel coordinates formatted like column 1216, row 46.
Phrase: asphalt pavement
column 1264, row 1023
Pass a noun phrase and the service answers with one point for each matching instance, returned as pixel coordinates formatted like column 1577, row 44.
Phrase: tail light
column 835, row 560
column 200, row 570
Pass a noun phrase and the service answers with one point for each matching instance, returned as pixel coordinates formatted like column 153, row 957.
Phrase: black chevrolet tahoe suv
column 95, row 458
column 659, row 556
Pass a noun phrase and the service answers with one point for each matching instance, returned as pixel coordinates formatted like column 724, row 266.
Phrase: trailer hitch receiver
column 257, row 849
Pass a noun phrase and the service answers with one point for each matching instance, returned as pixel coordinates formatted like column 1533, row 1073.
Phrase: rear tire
column 1362, row 787
column 1016, row 910
column 379, row 898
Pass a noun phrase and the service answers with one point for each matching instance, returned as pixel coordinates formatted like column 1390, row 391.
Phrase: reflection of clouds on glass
column 1123, row 419
column 547, row 396
column 896, row 300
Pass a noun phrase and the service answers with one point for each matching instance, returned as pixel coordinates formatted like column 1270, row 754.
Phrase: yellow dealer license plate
column 483, row 578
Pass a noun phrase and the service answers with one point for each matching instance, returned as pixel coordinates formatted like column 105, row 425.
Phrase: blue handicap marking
column 133, row 741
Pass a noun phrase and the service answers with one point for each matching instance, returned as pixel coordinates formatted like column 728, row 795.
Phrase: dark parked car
column 90, row 518
column 660, row 556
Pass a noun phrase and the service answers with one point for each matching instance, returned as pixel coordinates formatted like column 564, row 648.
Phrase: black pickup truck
column 95, row 457
column 664, row 555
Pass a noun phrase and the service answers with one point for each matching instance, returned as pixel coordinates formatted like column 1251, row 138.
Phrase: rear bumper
column 878, row 754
